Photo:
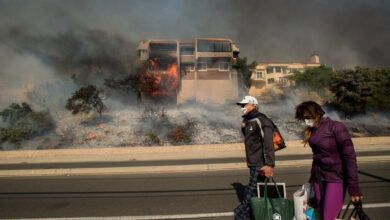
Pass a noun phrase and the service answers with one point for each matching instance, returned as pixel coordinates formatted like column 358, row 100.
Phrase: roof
column 214, row 39
column 287, row 63
column 163, row 41
column 145, row 44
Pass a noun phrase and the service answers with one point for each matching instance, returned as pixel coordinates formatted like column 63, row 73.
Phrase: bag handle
column 356, row 212
column 266, row 195
column 359, row 211
column 346, row 210
column 265, row 188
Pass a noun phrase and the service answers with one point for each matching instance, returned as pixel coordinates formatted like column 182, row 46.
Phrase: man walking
column 260, row 154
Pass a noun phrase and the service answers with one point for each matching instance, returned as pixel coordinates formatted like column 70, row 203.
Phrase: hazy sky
column 50, row 48
column 345, row 33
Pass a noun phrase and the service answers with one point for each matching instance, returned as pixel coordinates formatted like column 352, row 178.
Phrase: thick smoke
column 80, row 57
column 345, row 33
column 88, row 41
column 83, row 55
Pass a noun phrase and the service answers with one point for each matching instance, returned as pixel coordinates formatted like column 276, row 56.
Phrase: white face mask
column 309, row 122
column 244, row 110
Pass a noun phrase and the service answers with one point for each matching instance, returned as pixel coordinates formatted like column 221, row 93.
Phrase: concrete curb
column 165, row 169
column 189, row 152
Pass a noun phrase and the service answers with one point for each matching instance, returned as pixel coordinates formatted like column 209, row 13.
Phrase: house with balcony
column 271, row 75
column 205, row 65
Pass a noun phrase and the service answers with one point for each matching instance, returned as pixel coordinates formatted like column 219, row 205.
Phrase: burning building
column 201, row 71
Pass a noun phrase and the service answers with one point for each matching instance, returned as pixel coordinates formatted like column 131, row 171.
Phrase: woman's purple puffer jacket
column 332, row 147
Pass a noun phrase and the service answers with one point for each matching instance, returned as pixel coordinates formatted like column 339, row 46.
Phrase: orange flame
column 159, row 82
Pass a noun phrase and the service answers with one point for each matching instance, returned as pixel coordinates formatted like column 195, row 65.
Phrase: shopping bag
column 357, row 212
column 313, row 214
column 312, row 199
column 301, row 199
column 266, row 208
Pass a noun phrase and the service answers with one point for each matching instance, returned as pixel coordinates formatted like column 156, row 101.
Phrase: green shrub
column 152, row 139
column 315, row 79
column 22, row 123
column 348, row 91
column 356, row 91
column 15, row 112
column 14, row 135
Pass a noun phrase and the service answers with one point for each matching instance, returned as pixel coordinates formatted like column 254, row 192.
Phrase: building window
column 270, row 70
column 259, row 74
column 284, row 70
column 278, row 69
column 224, row 66
column 222, row 47
column 293, row 70
column 271, row 80
column 188, row 66
column 283, row 81
column 202, row 66
column 209, row 46
column 187, row 50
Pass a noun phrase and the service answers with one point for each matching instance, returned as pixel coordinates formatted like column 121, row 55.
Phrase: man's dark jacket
column 258, row 154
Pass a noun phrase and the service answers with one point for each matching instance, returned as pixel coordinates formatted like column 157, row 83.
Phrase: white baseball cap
column 248, row 100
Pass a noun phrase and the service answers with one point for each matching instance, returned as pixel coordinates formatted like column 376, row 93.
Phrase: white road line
column 373, row 205
column 183, row 216
column 187, row 216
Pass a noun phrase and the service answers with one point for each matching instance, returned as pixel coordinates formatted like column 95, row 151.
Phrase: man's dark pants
column 243, row 211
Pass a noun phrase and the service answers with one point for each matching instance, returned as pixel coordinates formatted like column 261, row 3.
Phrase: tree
column 245, row 71
column 357, row 90
column 15, row 112
column 316, row 79
column 347, row 88
column 378, row 85
column 134, row 82
column 86, row 99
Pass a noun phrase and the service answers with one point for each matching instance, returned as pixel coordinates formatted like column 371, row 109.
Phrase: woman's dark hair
column 309, row 109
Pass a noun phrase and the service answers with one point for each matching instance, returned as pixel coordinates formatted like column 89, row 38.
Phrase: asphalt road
column 160, row 194
column 134, row 163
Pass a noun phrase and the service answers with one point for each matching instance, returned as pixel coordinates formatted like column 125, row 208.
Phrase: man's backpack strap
column 261, row 134
column 258, row 123
column 278, row 140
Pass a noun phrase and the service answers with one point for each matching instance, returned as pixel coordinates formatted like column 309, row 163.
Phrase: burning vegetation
column 160, row 128
column 172, row 125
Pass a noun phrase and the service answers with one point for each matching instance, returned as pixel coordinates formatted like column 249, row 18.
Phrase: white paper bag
column 301, row 198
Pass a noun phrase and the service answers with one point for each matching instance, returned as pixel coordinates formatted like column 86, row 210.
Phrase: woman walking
column 334, row 167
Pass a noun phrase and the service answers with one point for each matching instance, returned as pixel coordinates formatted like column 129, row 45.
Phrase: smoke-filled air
column 77, row 74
